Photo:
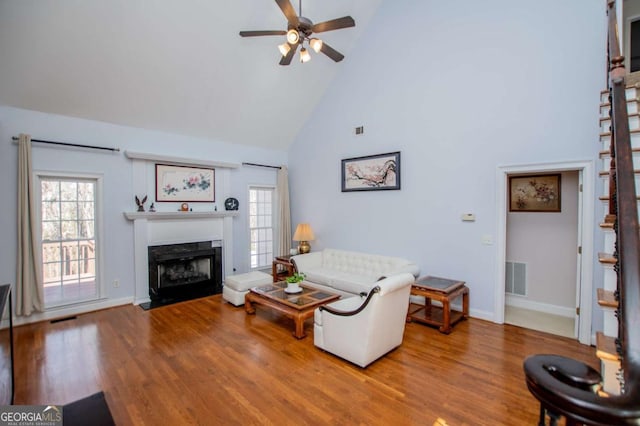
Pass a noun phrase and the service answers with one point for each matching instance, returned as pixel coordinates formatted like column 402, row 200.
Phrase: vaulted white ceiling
column 175, row 66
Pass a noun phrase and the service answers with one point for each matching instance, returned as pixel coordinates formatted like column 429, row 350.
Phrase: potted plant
column 293, row 283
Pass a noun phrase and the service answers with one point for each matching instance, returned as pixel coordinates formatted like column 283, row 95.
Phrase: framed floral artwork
column 184, row 184
column 534, row 193
column 371, row 173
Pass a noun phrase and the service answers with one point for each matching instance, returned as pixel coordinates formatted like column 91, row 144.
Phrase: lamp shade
column 293, row 36
column 303, row 233
column 316, row 44
column 304, row 55
column 284, row 48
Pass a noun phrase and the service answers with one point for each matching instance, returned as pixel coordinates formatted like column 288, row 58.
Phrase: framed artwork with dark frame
column 184, row 184
column 535, row 193
column 371, row 173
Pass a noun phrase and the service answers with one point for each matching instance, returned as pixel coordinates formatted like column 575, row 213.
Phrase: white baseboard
column 483, row 315
column 66, row 311
column 519, row 302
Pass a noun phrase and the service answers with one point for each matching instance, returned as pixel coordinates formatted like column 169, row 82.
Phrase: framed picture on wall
column 534, row 193
column 371, row 173
column 184, row 184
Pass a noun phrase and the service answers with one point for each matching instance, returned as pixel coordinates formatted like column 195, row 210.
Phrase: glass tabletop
column 309, row 296
column 444, row 285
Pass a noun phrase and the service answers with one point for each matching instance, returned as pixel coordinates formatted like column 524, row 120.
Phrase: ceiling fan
column 299, row 31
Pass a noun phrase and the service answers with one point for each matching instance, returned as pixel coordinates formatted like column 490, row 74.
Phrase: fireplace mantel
column 178, row 215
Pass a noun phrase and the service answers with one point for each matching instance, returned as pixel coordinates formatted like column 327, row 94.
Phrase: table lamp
column 303, row 234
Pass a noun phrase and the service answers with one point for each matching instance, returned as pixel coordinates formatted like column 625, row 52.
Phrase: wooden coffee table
column 298, row 306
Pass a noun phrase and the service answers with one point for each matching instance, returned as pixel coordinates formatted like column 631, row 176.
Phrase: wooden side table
column 281, row 268
column 444, row 291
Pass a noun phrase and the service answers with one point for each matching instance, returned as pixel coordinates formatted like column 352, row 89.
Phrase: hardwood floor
column 207, row 362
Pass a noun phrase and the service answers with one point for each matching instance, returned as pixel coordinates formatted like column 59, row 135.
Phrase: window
column 261, row 226
column 68, row 238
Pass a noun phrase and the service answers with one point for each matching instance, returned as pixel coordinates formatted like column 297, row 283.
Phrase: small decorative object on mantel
column 152, row 208
column 231, row 204
column 293, row 283
column 140, row 204
column 184, row 207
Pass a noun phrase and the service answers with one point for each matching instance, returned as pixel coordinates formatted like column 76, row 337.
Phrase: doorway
column 541, row 261
column 544, row 302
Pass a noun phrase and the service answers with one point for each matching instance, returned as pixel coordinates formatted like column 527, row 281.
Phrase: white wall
column 117, row 172
column 460, row 88
column 547, row 243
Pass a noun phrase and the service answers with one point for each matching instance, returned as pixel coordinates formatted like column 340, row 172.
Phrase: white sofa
column 361, row 329
column 347, row 272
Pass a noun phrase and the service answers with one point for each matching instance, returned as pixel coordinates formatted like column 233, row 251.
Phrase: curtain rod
column 261, row 165
column 104, row 148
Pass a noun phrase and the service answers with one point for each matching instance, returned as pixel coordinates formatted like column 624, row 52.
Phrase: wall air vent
column 516, row 278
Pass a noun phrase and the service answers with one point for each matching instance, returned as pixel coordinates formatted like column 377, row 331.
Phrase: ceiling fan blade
column 286, row 60
column 331, row 52
column 261, row 33
column 334, row 24
column 289, row 12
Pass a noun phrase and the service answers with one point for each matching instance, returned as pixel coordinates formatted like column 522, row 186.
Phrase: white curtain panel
column 29, row 287
column 284, row 211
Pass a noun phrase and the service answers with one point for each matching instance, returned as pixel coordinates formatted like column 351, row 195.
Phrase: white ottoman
column 236, row 286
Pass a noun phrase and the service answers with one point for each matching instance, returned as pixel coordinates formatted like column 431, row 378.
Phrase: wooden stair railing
column 566, row 387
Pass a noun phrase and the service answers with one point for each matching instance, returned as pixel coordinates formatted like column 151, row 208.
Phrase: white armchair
column 360, row 329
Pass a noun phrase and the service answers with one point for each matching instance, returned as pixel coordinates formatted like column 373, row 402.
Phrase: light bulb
column 284, row 48
column 304, row 55
column 292, row 36
column 316, row 44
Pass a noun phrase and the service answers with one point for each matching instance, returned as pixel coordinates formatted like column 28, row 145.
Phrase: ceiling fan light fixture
column 292, row 36
column 304, row 55
column 299, row 32
column 316, row 44
column 284, row 48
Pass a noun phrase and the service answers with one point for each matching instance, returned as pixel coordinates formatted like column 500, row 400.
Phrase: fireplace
column 185, row 271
